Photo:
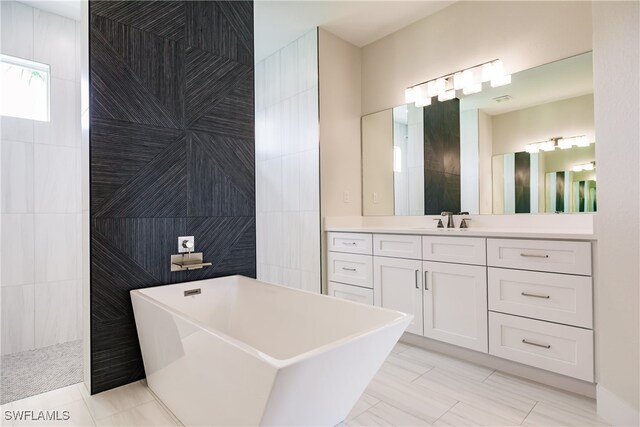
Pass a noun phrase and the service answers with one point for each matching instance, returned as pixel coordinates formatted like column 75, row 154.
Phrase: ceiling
column 68, row 9
column 278, row 23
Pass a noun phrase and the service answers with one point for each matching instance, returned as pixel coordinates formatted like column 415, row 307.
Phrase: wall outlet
column 375, row 197
column 346, row 197
column 186, row 244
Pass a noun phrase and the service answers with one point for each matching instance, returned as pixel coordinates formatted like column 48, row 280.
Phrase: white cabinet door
column 455, row 304
column 397, row 284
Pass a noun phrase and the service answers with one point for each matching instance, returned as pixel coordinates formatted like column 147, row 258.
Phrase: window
column 24, row 88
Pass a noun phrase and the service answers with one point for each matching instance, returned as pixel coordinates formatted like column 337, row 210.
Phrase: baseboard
column 552, row 379
column 614, row 410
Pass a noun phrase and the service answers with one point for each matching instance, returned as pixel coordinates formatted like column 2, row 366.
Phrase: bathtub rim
column 275, row 362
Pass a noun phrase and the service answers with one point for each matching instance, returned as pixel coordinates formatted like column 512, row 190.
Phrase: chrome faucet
column 450, row 223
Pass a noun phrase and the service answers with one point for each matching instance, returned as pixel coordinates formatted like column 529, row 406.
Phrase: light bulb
column 532, row 148
column 501, row 81
column 447, row 95
column 487, row 72
column 565, row 143
column 410, row 95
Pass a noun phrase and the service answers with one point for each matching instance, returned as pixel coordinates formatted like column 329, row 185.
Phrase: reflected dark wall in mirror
column 502, row 161
column 442, row 157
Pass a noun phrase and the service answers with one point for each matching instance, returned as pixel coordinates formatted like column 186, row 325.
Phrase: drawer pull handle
column 534, row 295
column 417, row 272
column 533, row 255
column 349, row 243
column 349, row 269
column 536, row 344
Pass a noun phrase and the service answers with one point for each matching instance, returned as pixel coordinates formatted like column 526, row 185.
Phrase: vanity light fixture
column 469, row 81
column 584, row 167
column 562, row 143
column 541, row 146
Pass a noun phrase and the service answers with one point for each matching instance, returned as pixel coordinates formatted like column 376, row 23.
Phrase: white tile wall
column 57, row 308
column 18, row 257
column 16, row 32
column 54, row 43
column 56, row 247
column 15, row 129
column 57, row 176
column 287, row 166
column 17, row 176
column 17, row 318
column 41, row 190
column 65, row 115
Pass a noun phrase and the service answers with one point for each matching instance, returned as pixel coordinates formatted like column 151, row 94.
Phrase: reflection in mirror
column 408, row 160
column 546, row 181
column 527, row 147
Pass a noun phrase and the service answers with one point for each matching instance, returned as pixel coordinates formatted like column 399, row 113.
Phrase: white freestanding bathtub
column 244, row 352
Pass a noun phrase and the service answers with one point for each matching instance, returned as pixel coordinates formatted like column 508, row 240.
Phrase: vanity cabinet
column 526, row 300
column 541, row 304
column 350, row 267
column 397, row 285
column 455, row 304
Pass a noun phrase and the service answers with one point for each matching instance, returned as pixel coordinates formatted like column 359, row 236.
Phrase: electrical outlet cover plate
column 182, row 249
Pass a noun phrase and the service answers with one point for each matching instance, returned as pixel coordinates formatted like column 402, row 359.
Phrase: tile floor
column 414, row 387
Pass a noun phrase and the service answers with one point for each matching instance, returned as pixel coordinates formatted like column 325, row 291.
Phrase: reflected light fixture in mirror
column 468, row 81
column 562, row 143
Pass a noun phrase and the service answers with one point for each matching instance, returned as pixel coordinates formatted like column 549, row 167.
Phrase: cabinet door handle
column 533, row 255
column 536, row 344
column 534, row 295
column 426, row 285
column 349, row 269
column 417, row 272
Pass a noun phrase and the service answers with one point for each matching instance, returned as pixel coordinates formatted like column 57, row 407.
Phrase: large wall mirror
column 527, row 147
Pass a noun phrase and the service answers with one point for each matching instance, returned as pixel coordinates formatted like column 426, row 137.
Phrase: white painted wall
column 340, row 169
column 287, row 166
column 377, row 163
column 616, row 60
column 41, row 190
column 522, row 34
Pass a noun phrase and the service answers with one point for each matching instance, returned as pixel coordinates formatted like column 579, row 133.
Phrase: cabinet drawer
column 351, row 269
column 463, row 250
column 558, row 298
column 557, row 348
column 397, row 246
column 351, row 293
column 353, row 243
column 541, row 255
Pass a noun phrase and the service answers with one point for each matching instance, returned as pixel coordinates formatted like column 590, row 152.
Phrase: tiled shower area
column 41, row 211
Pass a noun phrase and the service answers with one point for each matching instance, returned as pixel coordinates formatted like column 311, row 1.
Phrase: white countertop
column 472, row 232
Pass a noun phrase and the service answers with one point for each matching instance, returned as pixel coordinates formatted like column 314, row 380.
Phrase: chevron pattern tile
column 171, row 154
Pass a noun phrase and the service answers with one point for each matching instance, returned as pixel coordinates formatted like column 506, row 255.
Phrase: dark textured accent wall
column 442, row 157
column 560, row 191
column 522, row 167
column 171, row 154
